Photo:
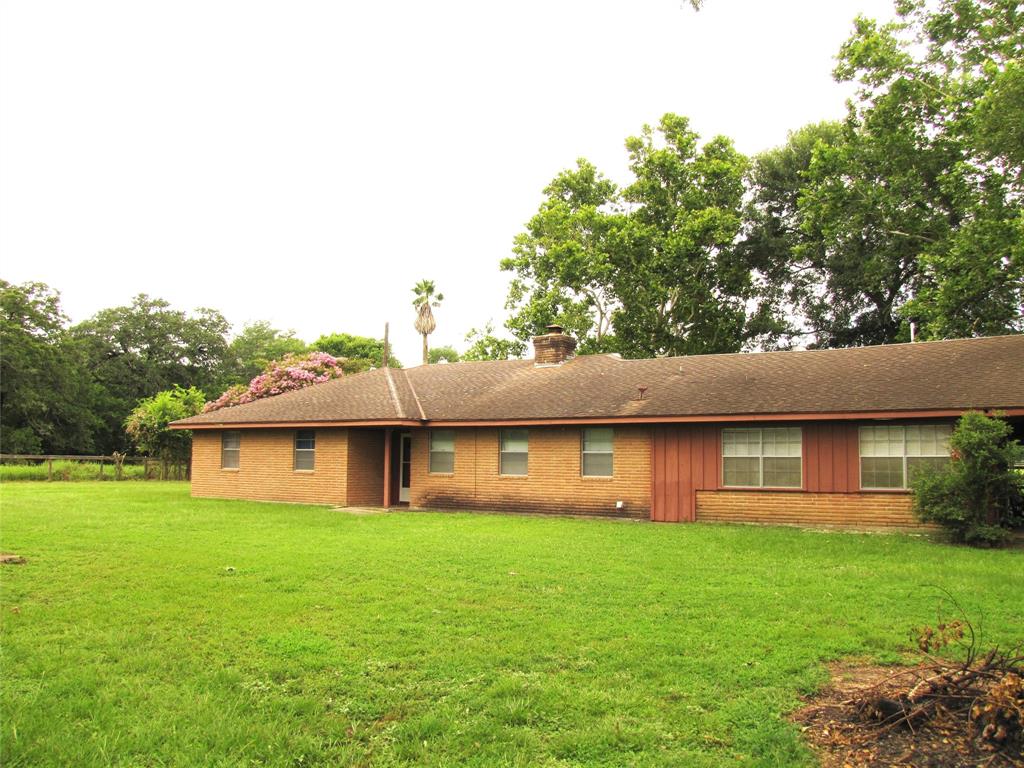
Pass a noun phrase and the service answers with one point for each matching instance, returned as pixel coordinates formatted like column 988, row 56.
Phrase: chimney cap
column 554, row 328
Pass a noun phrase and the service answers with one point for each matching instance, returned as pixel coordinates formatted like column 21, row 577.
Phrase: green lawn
column 151, row 629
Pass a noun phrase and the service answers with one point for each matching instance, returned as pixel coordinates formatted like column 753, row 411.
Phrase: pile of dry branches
column 983, row 692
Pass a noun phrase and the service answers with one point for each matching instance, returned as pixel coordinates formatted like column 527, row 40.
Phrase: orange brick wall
column 265, row 470
column 553, row 483
column 847, row 510
column 365, row 467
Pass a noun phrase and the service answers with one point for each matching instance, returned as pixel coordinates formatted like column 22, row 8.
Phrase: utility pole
column 387, row 347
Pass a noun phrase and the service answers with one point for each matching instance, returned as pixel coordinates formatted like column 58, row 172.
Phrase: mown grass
column 151, row 629
column 67, row 471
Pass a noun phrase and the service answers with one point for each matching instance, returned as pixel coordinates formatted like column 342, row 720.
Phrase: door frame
column 404, row 439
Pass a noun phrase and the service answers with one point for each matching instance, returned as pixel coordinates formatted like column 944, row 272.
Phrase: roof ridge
column 419, row 405
column 750, row 353
column 394, row 393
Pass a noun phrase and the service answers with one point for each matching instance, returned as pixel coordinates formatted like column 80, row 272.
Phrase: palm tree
column 424, row 301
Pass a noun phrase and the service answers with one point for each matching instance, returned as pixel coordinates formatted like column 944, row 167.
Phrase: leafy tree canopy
column 45, row 399
column 146, row 347
column 645, row 270
column 147, row 424
column 357, row 353
column 447, row 354
column 484, row 345
column 914, row 213
column 254, row 348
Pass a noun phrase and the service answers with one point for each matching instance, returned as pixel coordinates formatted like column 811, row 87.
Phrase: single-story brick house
column 813, row 437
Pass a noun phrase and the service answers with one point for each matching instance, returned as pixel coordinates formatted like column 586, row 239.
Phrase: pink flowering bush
column 284, row 375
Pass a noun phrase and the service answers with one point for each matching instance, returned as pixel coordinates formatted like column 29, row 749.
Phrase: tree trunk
column 426, row 356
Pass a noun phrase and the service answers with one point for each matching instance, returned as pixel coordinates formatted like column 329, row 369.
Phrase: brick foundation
column 863, row 511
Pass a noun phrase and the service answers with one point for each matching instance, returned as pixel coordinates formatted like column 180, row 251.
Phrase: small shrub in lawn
column 979, row 496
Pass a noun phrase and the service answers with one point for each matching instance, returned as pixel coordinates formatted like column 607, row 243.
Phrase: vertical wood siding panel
column 852, row 457
column 808, row 454
column 826, row 471
column 840, row 461
column 713, row 457
column 672, row 459
column 682, row 461
column 824, row 479
column 653, row 439
column 817, row 472
column 658, row 475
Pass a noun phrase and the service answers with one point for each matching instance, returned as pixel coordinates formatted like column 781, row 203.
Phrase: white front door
column 404, row 466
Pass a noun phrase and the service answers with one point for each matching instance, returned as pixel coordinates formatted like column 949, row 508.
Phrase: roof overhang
column 554, row 422
column 296, row 424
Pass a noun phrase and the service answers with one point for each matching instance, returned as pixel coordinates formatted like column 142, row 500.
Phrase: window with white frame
column 762, row 458
column 597, row 451
column 230, row 448
column 442, row 450
column 515, row 448
column 305, row 449
column 891, row 454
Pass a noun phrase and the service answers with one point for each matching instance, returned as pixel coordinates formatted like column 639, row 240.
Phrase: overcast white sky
column 307, row 162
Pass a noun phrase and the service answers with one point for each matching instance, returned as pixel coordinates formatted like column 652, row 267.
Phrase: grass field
column 66, row 470
column 150, row 629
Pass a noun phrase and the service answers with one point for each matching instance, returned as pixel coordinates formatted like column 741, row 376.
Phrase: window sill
column 773, row 488
column 229, row 469
column 303, row 471
column 884, row 490
column 598, row 478
column 440, row 474
column 512, row 477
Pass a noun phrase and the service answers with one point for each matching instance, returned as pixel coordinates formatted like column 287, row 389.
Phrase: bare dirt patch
column 844, row 735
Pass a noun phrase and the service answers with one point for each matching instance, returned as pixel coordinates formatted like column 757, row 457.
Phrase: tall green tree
column 447, row 354
column 45, row 398
column 778, row 243
column 357, row 353
column 918, row 207
column 484, row 345
column 426, row 300
column 563, row 264
column 251, row 350
column 135, row 351
column 684, row 287
column 646, row 270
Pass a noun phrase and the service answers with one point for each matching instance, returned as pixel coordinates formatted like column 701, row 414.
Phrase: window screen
column 442, row 450
column 305, row 449
column 598, row 444
column 890, row 455
column 515, row 446
column 230, row 448
column 756, row 458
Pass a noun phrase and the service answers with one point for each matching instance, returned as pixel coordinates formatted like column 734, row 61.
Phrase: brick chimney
column 554, row 347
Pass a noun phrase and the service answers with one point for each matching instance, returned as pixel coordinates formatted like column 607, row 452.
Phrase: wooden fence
column 107, row 467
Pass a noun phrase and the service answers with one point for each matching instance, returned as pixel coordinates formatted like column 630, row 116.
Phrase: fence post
column 49, row 469
column 101, row 467
column 163, row 469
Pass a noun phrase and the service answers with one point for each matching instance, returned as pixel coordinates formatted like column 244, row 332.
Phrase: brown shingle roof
column 927, row 376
